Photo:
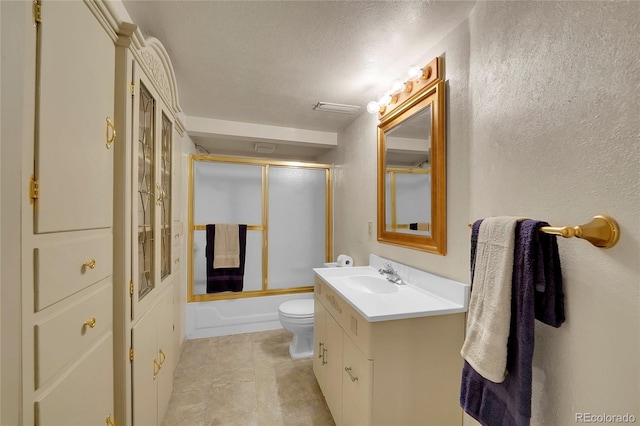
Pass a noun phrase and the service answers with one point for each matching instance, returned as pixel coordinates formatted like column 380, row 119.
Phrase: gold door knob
column 90, row 264
column 110, row 129
column 91, row 322
column 156, row 368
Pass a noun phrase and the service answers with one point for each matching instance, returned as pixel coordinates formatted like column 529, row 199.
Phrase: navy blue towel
column 536, row 293
column 225, row 279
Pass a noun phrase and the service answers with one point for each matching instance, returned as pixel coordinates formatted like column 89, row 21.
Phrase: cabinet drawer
column 358, row 329
column 354, row 324
column 64, row 336
column 85, row 396
column 65, row 268
column 357, row 381
column 331, row 300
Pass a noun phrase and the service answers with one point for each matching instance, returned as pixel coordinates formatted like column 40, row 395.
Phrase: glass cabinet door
column 146, row 193
column 152, row 171
column 165, row 197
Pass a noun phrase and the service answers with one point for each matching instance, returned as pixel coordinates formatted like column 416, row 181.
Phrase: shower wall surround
column 287, row 207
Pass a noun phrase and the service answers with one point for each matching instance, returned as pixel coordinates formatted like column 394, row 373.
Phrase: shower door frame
column 263, row 227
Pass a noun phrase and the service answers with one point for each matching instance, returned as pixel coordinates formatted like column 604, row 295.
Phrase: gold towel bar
column 603, row 231
column 249, row 227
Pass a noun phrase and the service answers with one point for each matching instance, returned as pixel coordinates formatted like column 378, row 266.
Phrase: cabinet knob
column 91, row 322
column 90, row 264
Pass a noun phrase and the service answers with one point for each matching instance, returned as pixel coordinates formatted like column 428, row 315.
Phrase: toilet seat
column 301, row 308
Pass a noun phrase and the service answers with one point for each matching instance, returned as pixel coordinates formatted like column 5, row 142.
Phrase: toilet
column 297, row 317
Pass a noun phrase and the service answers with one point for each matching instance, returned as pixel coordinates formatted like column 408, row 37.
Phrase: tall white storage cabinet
column 98, row 124
column 147, row 333
column 67, row 238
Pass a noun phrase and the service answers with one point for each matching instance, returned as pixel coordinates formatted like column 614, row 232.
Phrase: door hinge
column 34, row 189
column 131, row 354
column 131, row 288
column 132, row 88
column 37, row 12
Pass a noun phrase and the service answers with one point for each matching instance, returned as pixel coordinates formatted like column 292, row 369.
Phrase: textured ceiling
column 270, row 62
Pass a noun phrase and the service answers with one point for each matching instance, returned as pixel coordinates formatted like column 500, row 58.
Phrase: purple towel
column 536, row 293
column 225, row 279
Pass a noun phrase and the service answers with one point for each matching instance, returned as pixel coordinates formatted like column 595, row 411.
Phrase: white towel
column 226, row 246
column 489, row 316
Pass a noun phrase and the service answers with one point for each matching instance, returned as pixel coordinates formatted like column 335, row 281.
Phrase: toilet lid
column 297, row 308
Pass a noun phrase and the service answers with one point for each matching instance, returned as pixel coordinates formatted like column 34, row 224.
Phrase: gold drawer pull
column 90, row 264
column 109, row 421
column 111, row 127
column 156, row 368
column 91, row 322
column 163, row 358
column 351, row 376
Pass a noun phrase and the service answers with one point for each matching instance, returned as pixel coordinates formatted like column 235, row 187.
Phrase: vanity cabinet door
column 333, row 368
column 319, row 337
column 357, row 381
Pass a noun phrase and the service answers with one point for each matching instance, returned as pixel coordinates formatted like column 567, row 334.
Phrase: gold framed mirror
column 412, row 165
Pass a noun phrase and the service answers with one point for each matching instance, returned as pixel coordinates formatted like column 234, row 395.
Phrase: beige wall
column 542, row 122
column 355, row 175
column 554, row 95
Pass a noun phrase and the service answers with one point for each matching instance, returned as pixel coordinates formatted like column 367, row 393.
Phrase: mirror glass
column 411, row 172
column 407, row 179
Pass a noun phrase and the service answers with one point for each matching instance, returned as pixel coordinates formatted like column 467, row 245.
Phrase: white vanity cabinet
column 394, row 372
column 327, row 363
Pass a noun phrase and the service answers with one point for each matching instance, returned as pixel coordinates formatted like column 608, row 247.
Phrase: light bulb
column 397, row 86
column 373, row 107
column 384, row 100
column 414, row 73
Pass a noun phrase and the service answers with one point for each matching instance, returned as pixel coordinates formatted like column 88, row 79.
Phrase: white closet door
column 74, row 167
column 145, row 369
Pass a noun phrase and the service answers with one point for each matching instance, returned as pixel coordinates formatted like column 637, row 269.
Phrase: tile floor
column 245, row 380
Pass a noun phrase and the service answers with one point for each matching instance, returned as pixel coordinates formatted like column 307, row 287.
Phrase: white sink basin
column 377, row 299
column 370, row 284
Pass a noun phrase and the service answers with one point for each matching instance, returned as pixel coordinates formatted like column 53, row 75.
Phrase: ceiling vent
column 264, row 147
column 339, row 108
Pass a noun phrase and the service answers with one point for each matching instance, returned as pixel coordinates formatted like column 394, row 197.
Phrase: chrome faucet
column 391, row 274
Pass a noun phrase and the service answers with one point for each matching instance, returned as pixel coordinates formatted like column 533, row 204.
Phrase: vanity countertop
column 424, row 294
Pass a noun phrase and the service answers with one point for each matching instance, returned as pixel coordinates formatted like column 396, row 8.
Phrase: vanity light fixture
column 415, row 74
column 339, row 108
